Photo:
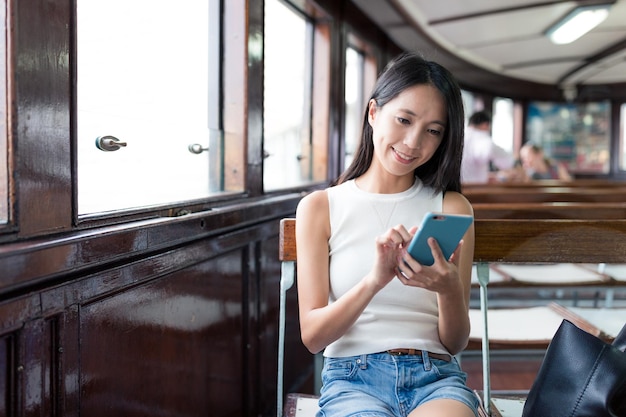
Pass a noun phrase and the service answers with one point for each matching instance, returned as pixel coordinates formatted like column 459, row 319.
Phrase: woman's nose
column 413, row 140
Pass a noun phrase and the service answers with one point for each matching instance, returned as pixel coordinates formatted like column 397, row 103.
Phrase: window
column 622, row 139
column 4, row 131
column 471, row 104
column 361, row 72
column 147, row 129
column 354, row 102
column 576, row 134
column 287, row 143
column 502, row 123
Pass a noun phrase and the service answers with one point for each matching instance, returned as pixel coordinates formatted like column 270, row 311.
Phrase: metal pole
column 483, row 279
column 287, row 272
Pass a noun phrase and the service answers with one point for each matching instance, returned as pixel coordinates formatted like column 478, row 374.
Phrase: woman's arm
column 563, row 172
column 454, row 324
column 449, row 278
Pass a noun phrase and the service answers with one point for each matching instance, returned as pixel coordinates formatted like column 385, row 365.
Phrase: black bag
column 580, row 376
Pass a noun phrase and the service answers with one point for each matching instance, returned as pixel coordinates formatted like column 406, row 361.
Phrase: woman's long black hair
column 443, row 171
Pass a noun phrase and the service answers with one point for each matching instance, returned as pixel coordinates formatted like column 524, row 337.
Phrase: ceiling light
column 580, row 21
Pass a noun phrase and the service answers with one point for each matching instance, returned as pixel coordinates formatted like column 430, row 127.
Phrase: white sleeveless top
column 398, row 316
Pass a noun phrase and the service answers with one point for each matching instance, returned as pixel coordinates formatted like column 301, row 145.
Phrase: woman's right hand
column 389, row 248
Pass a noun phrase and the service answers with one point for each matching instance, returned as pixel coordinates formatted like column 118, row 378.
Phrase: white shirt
column 398, row 316
column 478, row 150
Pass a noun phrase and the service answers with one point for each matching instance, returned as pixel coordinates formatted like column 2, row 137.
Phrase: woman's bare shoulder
column 454, row 202
column 313, row 209
column 314, row 200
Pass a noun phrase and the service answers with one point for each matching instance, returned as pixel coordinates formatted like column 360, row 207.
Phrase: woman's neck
column 384, row 184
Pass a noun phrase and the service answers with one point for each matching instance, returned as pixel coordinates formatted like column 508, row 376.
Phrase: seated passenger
column 538, row 167
column 389, row 326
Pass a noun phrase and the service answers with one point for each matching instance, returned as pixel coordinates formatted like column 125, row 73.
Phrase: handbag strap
column 620, row 340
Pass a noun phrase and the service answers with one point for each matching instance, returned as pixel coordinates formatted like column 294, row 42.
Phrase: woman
column 388, row 325
column 538, row 167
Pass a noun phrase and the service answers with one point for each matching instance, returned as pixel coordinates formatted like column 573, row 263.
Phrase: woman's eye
column 403, row 121
column 434, row 132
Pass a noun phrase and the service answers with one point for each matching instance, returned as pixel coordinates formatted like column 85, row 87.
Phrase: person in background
column 538, row 167
column 389, row 326
column 480, row 152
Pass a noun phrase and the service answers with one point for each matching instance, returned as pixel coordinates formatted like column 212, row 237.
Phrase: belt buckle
column 399, row 352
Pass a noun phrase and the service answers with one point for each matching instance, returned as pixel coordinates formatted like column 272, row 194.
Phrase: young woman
column 388, row 325
column 538, row 167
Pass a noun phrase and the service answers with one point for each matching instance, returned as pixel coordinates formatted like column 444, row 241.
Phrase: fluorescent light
column 580, row 21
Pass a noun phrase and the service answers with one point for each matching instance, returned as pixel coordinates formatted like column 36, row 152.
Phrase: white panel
column 602, row 74
column 380, row 12
column 453, row 8
column 540, row 49
column 547, row 73
column 511, row 43
column 523, row 24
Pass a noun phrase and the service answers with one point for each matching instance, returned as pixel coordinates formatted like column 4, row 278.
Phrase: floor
column 510, row 371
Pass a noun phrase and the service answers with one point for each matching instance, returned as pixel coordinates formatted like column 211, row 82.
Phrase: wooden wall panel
column 7, row 387
column 188, row 331
column 169, row 347
column 266, row 353
column 42, row 125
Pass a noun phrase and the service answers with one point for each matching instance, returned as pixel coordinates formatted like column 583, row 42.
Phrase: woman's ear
column 371, row 111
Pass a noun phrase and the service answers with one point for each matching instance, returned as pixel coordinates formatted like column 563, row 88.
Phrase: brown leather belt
column 403, row 352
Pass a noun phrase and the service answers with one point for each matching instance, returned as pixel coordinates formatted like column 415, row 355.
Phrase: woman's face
column 530, row 160
column 408, row 129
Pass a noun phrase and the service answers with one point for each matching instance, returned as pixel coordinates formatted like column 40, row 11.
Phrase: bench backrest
column 551, row 210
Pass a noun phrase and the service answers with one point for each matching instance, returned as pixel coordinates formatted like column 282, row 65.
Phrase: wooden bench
column 555, row 210
column 581, row 182
column 544, row 241
column 550, row 241
column 500, row 194
column 551, row 210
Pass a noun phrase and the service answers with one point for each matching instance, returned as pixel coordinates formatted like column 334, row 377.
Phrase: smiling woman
column 388, row 315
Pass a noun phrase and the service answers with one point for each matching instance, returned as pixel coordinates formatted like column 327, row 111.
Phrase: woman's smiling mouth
column 402, row 157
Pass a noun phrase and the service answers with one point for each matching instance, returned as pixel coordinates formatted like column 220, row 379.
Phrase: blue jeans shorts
column 380, row 384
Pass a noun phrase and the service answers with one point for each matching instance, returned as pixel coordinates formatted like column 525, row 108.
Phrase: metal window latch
column 108, row 143
column 197, row 148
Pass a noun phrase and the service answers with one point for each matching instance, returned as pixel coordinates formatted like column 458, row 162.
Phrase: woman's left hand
column 442, row 276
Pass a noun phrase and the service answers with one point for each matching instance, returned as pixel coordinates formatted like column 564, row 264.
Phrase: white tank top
column 398, row 316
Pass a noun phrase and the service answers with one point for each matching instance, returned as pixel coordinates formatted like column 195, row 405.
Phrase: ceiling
column 507, row 38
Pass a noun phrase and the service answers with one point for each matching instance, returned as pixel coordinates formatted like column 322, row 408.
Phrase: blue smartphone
column 447, row 229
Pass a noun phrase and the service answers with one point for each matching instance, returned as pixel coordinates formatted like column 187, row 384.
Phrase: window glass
column 4, row 151
column 4, row 171
column 575, row 134
column 470, row 105
column 502, row 123
column 137, row 84
column 622, row 139
column 353, row 102
column 287, row 98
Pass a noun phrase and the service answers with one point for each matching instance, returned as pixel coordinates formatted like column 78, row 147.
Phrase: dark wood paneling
column 37, row 261
column 190, row 329
column 42, row 86
column 171, row 347
column 33, row 354
column 7, row 380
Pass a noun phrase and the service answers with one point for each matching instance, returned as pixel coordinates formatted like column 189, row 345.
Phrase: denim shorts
column 381, row 384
